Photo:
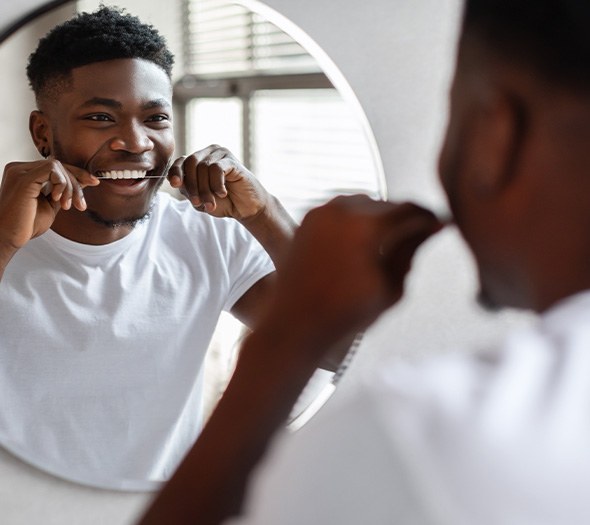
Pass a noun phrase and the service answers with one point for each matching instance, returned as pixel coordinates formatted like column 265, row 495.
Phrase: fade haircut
column 551, row 38
column 106, row 34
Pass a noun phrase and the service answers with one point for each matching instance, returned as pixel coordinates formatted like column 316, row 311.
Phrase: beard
column 130, row 222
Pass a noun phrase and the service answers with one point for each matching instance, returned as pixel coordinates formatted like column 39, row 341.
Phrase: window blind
column 305, row 144
column 314, row 151
column 227, row 39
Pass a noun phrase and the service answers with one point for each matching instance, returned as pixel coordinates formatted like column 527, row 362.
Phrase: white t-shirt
column 496, row 439
column 101, row 347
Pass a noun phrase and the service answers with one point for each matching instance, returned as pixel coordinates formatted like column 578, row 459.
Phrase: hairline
column 62, row 81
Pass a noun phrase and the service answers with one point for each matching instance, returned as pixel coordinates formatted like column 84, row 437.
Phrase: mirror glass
column 241, row 81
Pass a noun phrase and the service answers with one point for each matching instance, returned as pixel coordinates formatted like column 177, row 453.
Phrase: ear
column 497, row 141
column 40, row 131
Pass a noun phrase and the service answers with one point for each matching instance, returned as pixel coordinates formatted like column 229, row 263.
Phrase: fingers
column 80, row 178
column 33, row 193
column 408, row 230
column 175, row 176
column 388, row 234
column 211, row 180
column 201, row 176
column 60, row 183
column 403, row 223
column 392, row 222
column 67, row 183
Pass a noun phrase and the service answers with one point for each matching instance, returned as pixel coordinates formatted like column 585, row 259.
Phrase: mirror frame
column 43, row 7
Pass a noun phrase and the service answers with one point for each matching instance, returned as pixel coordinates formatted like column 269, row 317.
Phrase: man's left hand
column 217, row 183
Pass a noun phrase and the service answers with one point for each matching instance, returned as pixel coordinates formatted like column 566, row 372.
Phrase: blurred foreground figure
column 500, row 438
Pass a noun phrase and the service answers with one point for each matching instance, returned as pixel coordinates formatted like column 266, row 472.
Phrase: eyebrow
column 157, row 103
column 115, row 104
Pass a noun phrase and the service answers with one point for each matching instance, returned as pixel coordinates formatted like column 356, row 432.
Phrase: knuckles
column 12, row 166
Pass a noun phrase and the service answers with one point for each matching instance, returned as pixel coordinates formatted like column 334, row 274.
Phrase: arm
column 31, row 195
column 274, row 228
column 217, row 183
column 346, row 266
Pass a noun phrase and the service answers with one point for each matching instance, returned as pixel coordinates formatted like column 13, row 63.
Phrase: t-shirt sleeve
column 247, row 263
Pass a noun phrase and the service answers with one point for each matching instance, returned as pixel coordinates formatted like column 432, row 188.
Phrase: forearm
column 210, row 484
column 274, row 228
column 7, row 252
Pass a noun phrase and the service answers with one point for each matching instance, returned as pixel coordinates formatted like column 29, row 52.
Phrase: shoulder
column 174, row 220
column 166, row 207
column 170, row 211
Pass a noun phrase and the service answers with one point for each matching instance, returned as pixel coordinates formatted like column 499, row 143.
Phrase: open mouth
column 122, row 174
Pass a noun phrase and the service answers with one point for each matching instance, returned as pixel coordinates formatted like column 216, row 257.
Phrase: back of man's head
column 105, row 34
column 549, row 37
column 516, row 160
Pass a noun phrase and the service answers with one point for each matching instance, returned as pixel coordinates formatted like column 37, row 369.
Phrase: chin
column 114, row 205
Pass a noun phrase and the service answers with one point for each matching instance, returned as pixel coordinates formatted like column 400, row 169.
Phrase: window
column 252, row 88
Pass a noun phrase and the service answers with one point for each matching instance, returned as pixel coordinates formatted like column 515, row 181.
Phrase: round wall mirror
column 247, row 79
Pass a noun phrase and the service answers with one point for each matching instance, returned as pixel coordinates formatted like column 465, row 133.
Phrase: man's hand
column 217, row 183
column 347, row 264
column 31, row 195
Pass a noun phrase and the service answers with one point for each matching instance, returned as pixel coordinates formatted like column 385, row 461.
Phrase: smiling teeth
column 122, row 174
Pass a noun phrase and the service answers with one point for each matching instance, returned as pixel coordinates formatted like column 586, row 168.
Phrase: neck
column 565, row 288
column 560, row 265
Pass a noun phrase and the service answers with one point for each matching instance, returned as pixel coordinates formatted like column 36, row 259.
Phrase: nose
column 133, row 138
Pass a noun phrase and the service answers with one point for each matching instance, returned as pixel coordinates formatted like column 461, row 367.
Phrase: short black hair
column 550, row 37
column 106, row 34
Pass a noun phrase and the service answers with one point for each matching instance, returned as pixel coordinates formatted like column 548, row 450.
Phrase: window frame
column 191, row 87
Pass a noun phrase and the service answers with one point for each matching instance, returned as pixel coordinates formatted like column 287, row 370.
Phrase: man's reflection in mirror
column 110, row 290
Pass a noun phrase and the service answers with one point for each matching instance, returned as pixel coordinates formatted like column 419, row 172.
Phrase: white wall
column 397, row 56
column 18, row 99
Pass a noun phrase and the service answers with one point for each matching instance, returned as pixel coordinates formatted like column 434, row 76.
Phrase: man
column 500, row 438
column 111, row 290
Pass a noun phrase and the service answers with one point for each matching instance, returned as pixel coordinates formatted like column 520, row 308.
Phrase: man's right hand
column 347, row 265
column 31, row 195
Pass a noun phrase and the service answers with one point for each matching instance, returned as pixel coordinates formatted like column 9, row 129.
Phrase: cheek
column 74, row 148
column 69, row 154
column 166, row 144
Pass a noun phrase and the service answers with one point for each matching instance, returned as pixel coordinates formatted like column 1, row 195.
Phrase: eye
column 160, row 117
column 99, row 117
